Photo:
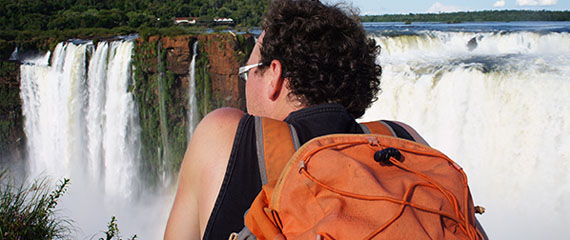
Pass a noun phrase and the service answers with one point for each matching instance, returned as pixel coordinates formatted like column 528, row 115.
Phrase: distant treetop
column 480, row 16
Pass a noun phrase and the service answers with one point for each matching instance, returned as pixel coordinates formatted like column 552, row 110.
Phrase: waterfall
column 14, row 56
column 53, row 102
column 121, row 138
column 164, row 152
column 82, row 123
column 96, row 90
column 193, row 105
column 500, row 109
column 72, row 115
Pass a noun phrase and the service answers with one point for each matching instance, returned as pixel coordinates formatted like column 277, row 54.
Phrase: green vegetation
column 146, row 86
column 203, row 82
column 23, row 15
column 113, row 232
column 481, row 16
column 28, row 212
column 173, row 103
column 244, row 48
column 163, row 103
column 162, row 110
column 6, row 48
column 42, row 24
column 73, row 14
column 11, row 120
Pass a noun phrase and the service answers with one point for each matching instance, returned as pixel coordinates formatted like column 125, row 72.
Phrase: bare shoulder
column 218, row 122
column 212, row 139
column 214, row 134
column 202, row 173
column 417, row 137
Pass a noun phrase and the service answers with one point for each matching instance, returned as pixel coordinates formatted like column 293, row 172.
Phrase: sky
column 377, row 7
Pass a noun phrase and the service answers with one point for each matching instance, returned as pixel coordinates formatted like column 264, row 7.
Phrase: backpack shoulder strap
column 385, row 127
column 276, row 142
column 377, row 127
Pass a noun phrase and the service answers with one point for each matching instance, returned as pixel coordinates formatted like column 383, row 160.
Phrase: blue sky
column 424, row 6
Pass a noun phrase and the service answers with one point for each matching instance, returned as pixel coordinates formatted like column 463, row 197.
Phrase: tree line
column 73, row 14
column 479, row 16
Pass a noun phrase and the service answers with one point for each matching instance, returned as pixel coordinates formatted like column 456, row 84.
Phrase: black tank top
column 242, row 182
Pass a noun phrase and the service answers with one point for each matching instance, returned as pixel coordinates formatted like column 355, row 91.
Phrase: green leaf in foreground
column 28, row 211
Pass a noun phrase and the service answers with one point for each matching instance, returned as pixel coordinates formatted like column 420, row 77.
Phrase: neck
column 282, row 105
column 282, row 112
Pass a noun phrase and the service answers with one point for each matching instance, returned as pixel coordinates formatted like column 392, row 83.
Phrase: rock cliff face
column 225, row 53
column 162, row 79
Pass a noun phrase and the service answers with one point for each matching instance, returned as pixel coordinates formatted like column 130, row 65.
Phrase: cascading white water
column 62, row 133
column 82, row 123
column 500, row 108
column 193, row 105
column 53, row 102
column 96, row 90
column 121, row 125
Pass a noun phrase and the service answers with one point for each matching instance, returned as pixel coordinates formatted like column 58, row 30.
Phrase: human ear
column 276, row 81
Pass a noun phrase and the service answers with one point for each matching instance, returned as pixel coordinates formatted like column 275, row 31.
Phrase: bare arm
column 202, row 173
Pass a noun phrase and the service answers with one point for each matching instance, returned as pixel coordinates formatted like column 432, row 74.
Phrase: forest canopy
column 72, row 14
column 480, row 16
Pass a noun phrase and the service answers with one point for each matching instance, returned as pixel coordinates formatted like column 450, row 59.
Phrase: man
column 312, row 67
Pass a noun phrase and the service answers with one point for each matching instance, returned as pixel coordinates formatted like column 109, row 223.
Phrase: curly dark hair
column 324, row 52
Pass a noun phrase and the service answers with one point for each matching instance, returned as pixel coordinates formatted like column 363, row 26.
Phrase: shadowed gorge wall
column 11, row 124
column 161, row 66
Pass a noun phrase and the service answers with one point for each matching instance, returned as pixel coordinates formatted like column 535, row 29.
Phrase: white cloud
column 500, row 3
column 536, row 2
column 438, row 7
column 548, row 2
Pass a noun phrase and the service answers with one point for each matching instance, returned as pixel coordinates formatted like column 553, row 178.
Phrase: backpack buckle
column 301, row 166
column 372, row 141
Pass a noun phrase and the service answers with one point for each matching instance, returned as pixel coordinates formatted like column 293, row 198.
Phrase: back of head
column 325, row 54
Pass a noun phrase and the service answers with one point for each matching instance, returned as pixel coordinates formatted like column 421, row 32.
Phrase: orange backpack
column 356, row 186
